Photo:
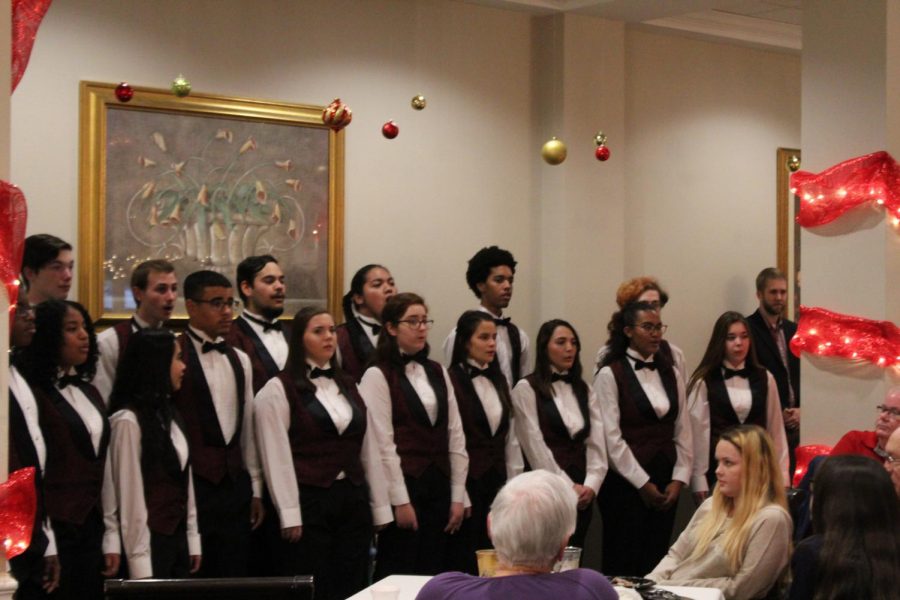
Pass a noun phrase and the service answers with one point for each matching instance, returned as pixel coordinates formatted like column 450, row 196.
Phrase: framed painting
column 205, row 181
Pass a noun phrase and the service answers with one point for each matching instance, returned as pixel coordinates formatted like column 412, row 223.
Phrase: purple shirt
column 577, row 584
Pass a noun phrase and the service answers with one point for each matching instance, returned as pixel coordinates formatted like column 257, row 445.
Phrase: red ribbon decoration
column 804, row 455
column 26, row 18
column 13, row 215
column 826, row 333
column 824, row 197
column 18, row 503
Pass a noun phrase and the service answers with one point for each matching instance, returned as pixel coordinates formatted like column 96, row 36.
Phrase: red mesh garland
column 13, row 215
column 824, row 197
column 26, row 18
column 827, row 333
column 18, row 503
column 804, row 455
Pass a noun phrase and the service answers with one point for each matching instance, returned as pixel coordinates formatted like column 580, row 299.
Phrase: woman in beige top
column 739, row 539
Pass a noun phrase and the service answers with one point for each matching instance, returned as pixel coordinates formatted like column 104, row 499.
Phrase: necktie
column 729, row 373
column 264, row 324
column 68, row 380
column 639, row 364
column 567, row 377
column 475, row 372
column 217, row 346
column 317, row 372
column 420, row 357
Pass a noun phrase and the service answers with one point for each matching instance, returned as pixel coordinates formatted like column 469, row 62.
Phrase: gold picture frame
column 787, row 230
column 204, row 181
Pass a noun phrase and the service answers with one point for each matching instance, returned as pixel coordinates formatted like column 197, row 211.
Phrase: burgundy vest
column 568, row 452
column 73, row 474
column 211, row 457
column 123, row 333
column 419, row 443
column 721, row 412
column 263, row 366
column 165, row 489
column 320, row 452
column 486, row 450
column 356, row 349
column 646, row 434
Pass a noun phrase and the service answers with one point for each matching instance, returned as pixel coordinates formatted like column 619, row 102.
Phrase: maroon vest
column 73, row 474
column 568, row 452
column 123, row 333
column 263, row 366
column 356, row 349
column 646, row 434
column 721, row 412
column 165, row 489
column 320, row 452
column 419, row 443
column 211, row 457
column 486, row 450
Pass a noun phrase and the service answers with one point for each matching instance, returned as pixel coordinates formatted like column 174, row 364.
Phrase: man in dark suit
column 772, row 335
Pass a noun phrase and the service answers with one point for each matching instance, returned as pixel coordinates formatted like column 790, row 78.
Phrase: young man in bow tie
column 215, row 401
column 490, row 277
column 154, row 287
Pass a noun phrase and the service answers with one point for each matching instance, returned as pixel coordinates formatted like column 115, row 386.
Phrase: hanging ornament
column 825, row 333
column 418, row 102
column 18, row 503
column 554, row 151
column 602, row 152
column 124, row 92
column 13, row 216
column 337, row 115
column 390, row 130
column 26, row 18
column 793, row 163
column 181, row 87
column 826, row 196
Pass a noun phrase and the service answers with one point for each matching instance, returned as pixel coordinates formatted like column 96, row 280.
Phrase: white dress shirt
column 108, row 347
column 528, row 430
column 272, row 418
column 504, row 349
column 367, row 325
column 221, row 381
column 741, row 398
column 90, row 416
column 273, row 339
column 128, row 483
column 377, row 396
column 620, row 455
column 493, row 410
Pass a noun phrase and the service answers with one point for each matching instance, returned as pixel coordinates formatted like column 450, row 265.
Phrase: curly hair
column 481, row 264
column 632, row 289
column 618, row 342
column 39, row 362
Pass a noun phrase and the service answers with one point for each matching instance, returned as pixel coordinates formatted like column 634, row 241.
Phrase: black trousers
column 28, row 570
column 265, row 555
column 473, row 534
column 635, row 538
column 583, row 516
column 334, row 547
column 421, row 552
column 223, row 517
column 80, row 552
column 169, row 554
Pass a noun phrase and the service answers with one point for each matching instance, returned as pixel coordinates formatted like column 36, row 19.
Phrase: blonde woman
column 739, row 539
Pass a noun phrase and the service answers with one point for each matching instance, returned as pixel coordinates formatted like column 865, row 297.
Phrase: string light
column 826, row 333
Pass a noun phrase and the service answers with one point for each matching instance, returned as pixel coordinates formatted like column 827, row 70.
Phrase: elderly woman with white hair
column 530, row 522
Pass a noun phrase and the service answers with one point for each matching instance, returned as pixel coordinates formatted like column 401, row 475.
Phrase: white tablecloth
column 411, row 584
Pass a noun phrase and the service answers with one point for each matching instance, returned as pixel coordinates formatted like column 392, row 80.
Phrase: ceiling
column 766, row 23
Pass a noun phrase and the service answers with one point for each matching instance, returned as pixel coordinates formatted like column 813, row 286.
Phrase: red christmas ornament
column 26, row 18
column 337, row 115
column 602, row 153
column 390, row 130
column 826, row 333
column 18, row 503
column 804, row 455
column 124, row 92
column 826, row 196
column 13, row 216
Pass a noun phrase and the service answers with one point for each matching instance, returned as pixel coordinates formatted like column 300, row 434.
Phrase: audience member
column 892, row 460
column 357, row 337
column 739, row 540
column 47, row 267
column 527, row 553
column 872, row 443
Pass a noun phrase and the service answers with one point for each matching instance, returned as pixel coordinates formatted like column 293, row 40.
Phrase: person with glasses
column 418, row 428
column 357, row 337
column 215, row 401
column 892, row 460
column 558, row 420
column 648, row 439
column 727, row 389
column 872, row 443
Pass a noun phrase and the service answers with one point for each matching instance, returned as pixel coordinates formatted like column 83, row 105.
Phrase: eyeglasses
column 220, row 303
column 418, row 323
column 650, row 327
column 892, row 412
column 891, row 460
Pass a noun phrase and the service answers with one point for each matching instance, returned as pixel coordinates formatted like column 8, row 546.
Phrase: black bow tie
column 729, row 373
column 217, row 346
column 567, row 377
column 502, row 321
column 264, row 324
column 475, row 372
column 375, row 327
column 68, row 380
column 420, row 357
column 317, row 372
column 639, row 364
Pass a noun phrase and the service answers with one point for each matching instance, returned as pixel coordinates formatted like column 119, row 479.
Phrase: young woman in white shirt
column 558, row 420
column 370, row 288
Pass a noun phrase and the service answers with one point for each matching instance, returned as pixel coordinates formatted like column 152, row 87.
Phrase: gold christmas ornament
column 418, row 102
column 600, row 138
column 793, row 163
column 554, row 151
